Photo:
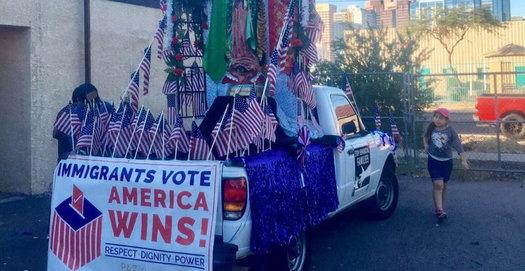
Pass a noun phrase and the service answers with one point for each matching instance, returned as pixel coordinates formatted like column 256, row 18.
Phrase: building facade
column 324, row 48
column 499, row 8
column 390, row 13
column 42, row 61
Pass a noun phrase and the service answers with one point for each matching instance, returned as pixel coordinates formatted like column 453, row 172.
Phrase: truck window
column 344, row 113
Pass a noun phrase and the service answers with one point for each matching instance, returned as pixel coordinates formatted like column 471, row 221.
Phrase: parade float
column 248, row 156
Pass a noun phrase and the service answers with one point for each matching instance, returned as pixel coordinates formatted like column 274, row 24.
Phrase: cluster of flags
column 100, row 130
column 278, row 57
column 393, row 126
column 246, row 123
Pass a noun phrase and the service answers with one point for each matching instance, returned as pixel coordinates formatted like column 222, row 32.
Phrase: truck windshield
column 344, row 113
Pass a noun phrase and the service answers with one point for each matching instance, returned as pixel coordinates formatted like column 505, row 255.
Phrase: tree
column 376, row 68
column 450, row 26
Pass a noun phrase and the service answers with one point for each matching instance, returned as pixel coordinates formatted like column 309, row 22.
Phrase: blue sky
column 517, row 7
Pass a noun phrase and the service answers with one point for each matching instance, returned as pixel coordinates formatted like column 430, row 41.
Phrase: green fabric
column 216, row 45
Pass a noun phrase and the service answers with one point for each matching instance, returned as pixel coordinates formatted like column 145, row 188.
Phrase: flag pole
column 85, row 119
column 163, row 131
column 141, row 134
column 71, row 126
column 95, row 118
column 231, row 130
column 119, row 129
column 154, row 136
column 134, row 130
column 123, row 96
column 279, row 42
column 217, row 135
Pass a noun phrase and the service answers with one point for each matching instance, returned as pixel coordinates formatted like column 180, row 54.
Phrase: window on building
column 520, row 77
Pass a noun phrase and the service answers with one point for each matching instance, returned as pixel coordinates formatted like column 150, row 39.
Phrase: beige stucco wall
column 54, row 43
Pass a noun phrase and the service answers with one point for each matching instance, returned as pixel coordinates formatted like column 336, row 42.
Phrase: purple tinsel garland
column 279, row 206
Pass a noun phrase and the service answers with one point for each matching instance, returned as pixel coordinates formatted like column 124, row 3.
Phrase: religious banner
column 119, row 214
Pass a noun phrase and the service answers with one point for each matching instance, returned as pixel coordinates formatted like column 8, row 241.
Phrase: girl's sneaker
column 440, row 215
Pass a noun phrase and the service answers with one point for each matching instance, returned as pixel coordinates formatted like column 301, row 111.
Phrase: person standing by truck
column 439, row 139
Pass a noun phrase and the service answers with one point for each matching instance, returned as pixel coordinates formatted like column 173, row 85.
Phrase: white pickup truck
column 364, row 172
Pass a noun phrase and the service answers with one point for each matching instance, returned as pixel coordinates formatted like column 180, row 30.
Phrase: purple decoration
column 279, row 206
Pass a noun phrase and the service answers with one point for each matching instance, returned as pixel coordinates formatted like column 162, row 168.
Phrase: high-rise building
column 352, row 17
column 499, row 8
column 324, row 48
column 390, row 13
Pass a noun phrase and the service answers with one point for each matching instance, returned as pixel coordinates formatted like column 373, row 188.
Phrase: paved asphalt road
column 485, row 231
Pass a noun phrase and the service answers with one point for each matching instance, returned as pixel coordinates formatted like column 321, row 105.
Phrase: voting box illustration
column 75, row 234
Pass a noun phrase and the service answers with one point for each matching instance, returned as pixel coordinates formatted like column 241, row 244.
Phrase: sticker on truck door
column 362, row 167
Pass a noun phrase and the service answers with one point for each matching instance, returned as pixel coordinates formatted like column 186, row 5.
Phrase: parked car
column 509, row 111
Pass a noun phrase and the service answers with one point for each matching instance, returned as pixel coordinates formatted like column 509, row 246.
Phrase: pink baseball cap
column 443, row 111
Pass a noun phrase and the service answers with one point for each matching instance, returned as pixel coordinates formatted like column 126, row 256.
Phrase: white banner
column 119, row 214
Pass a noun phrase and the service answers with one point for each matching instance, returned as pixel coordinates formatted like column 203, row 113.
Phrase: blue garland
column 279, row 206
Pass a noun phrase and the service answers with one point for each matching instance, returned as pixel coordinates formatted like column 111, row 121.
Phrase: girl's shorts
column 439, row 170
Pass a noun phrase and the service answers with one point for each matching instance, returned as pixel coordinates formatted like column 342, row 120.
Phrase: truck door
column 353, row 162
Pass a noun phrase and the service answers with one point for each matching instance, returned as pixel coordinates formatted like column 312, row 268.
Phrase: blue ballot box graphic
column 75, row 234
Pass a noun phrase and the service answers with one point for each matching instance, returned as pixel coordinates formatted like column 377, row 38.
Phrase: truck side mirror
column 349, row 128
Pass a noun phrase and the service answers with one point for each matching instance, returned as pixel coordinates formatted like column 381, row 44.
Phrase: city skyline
column 517, row 7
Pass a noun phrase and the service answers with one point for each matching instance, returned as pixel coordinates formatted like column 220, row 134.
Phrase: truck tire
column 384, row 201
column 513, row 130
column 294, row 256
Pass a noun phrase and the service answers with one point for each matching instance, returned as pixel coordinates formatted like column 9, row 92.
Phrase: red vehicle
column 510, row 109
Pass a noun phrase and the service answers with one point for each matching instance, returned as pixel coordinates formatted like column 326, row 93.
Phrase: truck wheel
column 294, row 256
column 384, row 201
column 513, row 130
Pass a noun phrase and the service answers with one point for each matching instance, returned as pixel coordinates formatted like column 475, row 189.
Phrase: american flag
column 377, row 117
column 310, row 54
column 143, row 137
column 135, row 130
column 315, row 27
column 304, row 89
column 178, row 137
column 243, row 130
column 347, row 88
column 393, row 127
column 170, row 87
column 133, row 91
column 341, row 143
column 68, row 121
column 254, row 115
column 272, row 72
column 195, row 77
column 125, row 132
column 269, row 124
column 159, row 36
column 85, row 140
column 288, row 25
column 221, row 133
column 278, row 57
column 172, row 108
column 145, row 66
column 186, row 47
column 159, row 133
column 199, row 103
column 115, row 121
column 199, row 149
